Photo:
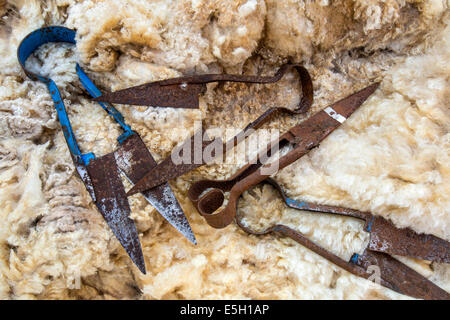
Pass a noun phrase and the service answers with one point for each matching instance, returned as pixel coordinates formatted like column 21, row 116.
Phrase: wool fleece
column 392, row 157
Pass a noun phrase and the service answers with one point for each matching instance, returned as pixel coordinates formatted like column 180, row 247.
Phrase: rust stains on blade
column 400, row 277
column 176, row 96
column 163, row 199
column 309, row 133
column 168, row 170
column 183, row 92
column 134, row 160
column 348, row 105
column 303, row 137
column 112, row 202
column 371, row 265
column 165, row 171
column 84, row 176
column 385, row 237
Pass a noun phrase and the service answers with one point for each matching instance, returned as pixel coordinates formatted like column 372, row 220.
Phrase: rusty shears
column 385, row 239
column 167, row 169
column 100, row 175
column 208, row 197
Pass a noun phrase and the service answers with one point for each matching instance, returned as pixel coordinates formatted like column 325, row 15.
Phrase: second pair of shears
column 385, row 239
column 100, row 174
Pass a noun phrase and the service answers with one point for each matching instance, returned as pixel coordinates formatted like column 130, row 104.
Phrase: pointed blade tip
column 138, row 261
column 175, row 216
column 371, row 88
column 191, row 238
column 142, row 269
column 132, row 191
column 136, row 189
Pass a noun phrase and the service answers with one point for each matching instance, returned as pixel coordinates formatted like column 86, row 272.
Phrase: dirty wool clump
column 391, row 157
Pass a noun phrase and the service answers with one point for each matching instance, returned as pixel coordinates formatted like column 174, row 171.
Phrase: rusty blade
column 156, row 95
column 400, row 277
column 310, row 133
column 303, row 137
column 111, row 200
column 393, row 274
column 385, row 237
column 134, row 160
column 183, row 92
column 371, row 265
column 168, row 169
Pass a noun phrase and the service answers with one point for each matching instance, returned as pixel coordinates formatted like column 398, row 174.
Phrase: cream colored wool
column 391, row 157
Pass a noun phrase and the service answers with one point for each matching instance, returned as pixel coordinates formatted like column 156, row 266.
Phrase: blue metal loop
column 61, row 34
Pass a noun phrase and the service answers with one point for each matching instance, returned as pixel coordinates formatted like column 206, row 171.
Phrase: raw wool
column 54, row 240
column 392, row 155
column 185, row 35
column 331, row 27
column 21, row 17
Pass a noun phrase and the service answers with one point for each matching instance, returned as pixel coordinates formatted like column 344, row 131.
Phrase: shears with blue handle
column 101, row 175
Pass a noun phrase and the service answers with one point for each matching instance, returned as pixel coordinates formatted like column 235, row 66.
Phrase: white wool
column 391, row 157
column 247, row 8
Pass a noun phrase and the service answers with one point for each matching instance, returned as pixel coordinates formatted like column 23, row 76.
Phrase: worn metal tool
column 207, row 195
column 183, row 92
column 100, row 175
column 385, row 240
column 168, row 169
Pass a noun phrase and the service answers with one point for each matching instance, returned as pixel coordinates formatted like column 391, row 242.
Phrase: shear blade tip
column 137, row 257
column 141, row 267
column 189, row 235
column 193, row 240
column 131, row 192
column 374, row 86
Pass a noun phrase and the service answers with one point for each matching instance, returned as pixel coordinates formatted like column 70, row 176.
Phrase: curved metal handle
column 61, row 34
column 109, row 108
column 183, row 92
column 30, row 43
column 208, row 195
column 168, row 170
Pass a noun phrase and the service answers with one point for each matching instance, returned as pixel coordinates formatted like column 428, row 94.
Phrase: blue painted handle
column 95, row 92
column 26, row 48
column 62, row 34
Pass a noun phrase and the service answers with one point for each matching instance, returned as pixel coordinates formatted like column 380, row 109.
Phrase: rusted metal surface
column 208, row 196
column 102, row 179
column 399, row 277
column 111, row 201
column 134, row 159
column 302, row 138
column 168, row 170
column 84, row 176
column 101, row 175
column 393, row 274
column 183, row 92
column 156, row 95
column 385, row 237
